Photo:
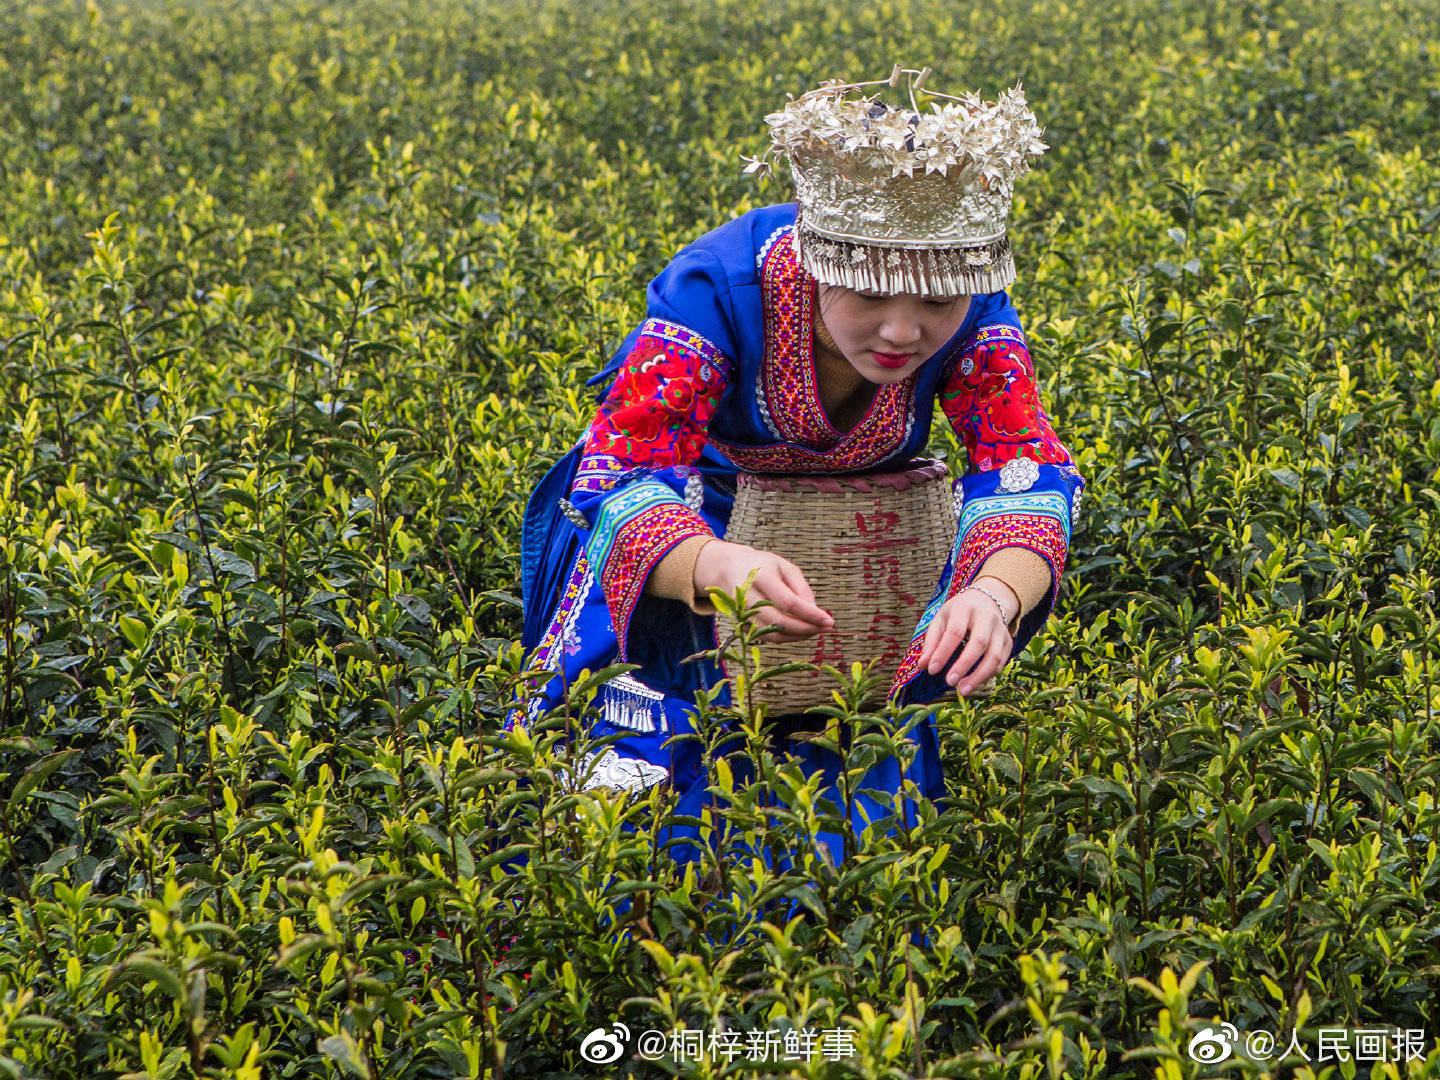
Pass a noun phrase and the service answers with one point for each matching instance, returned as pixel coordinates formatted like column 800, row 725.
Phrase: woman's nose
column 899, row 330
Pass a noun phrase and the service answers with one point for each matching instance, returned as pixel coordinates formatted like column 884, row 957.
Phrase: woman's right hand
column 725, row 566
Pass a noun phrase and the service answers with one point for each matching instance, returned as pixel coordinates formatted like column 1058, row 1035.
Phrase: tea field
column 297, row 300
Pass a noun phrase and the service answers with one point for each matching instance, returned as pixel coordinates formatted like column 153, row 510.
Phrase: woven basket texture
column 872, row 548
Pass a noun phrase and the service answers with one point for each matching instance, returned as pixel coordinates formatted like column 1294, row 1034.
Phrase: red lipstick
column 892, row 360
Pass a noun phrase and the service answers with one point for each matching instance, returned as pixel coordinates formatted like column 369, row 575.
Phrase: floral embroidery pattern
column 990, row 399
column 653, row 418
column 656, row 412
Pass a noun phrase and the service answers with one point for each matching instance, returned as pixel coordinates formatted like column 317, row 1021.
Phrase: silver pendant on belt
column 576, row 517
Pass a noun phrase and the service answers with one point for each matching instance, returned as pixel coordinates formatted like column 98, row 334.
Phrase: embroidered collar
column 786, row 387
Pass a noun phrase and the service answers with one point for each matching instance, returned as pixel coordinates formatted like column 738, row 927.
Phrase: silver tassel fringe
column 917, row 271
column 629, row 703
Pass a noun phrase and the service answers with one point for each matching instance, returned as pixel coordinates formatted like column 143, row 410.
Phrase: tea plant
column 297, row 302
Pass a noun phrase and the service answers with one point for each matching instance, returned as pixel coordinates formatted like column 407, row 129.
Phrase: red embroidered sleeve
column 990, row 398
column 654, row 420
column 991, row 401
column 1020, row 482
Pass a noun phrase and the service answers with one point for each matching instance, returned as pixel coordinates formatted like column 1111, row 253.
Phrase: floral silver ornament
column 993, row 140
column 694, row 492
column 608, row 770
column 1018, row 474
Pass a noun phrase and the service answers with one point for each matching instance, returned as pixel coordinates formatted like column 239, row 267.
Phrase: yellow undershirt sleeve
column 674, row 575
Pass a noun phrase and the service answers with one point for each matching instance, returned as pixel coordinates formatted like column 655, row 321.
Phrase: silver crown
column 900, row 200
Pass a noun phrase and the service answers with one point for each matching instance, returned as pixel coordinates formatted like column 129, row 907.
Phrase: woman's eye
column 938, row 303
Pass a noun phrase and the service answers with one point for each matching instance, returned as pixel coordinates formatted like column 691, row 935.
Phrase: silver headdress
column 900, row 200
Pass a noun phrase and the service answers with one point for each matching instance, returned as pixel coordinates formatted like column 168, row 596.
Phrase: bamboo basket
column 872, row 548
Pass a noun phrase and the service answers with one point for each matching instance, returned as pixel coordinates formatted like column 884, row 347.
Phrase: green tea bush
column 296, row 303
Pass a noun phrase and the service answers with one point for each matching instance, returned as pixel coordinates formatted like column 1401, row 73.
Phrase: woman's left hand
column 969, row 612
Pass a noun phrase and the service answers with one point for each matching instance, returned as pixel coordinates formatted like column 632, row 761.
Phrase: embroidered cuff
column 1037, row 520
column 634, row 530
column 1024, row 507
column 1038, row 533
column 1041, row 534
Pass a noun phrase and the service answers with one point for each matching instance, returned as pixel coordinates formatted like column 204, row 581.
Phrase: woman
column 809, row 337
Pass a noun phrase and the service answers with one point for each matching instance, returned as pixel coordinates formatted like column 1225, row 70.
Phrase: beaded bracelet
column 981, row 589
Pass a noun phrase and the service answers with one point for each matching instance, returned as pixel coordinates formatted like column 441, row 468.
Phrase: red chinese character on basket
column 881, row 580
column 889, row 636
column 828, row 650
column 880, row 576
column 876, row 530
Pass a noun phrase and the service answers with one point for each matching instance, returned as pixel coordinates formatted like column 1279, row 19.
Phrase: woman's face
column 885, row 338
